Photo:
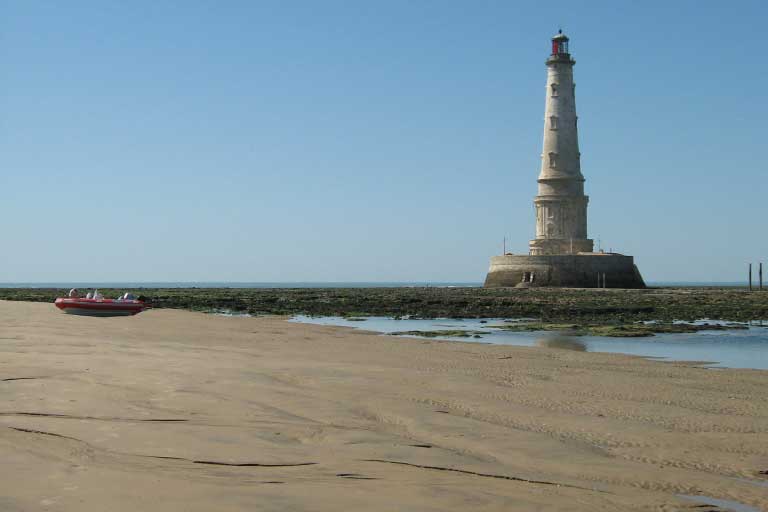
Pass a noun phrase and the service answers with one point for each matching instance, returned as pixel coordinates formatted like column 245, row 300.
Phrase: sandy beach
column 174, row 410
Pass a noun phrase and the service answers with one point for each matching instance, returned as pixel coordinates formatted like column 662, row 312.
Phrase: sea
column 230, row 284
column 307, row 284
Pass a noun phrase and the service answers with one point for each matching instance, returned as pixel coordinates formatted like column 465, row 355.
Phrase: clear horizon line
column 311, row 282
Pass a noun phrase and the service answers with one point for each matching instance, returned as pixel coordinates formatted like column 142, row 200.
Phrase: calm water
column 733, row 506
column 226, row 284
column 726, row 349
column 296, row 284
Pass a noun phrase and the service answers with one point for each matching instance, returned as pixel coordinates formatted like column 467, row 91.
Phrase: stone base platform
column 580, row 270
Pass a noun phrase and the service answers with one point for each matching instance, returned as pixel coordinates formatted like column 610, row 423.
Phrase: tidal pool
column 738, row 348
column 729, row 505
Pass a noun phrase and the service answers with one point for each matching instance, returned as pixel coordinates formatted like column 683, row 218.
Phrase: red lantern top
column 560, row 44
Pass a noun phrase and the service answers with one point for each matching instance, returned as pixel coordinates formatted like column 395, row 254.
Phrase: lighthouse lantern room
column 560, row 44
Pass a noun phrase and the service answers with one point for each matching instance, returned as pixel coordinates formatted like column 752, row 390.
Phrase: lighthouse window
column 553, row 160
column 554, row 90
column 553, row 123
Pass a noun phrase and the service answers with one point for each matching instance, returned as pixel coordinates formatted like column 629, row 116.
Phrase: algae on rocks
column 627, row 330
column 448, row 333
column 549, row 305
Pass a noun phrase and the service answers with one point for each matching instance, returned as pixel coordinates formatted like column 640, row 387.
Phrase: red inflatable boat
column 127, row 306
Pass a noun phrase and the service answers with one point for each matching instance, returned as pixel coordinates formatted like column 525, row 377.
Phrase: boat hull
column 95, row 312
column 100, row 308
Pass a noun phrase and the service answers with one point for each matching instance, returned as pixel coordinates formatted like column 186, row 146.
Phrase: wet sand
column 173, row 410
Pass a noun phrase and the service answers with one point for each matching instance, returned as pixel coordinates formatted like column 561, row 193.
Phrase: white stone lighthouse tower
column 561, row 206
column 561, row 254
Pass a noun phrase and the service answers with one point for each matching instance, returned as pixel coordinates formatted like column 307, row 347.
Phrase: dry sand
column 173, row 410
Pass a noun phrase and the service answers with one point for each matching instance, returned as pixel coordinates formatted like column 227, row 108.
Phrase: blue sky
column 369, row 141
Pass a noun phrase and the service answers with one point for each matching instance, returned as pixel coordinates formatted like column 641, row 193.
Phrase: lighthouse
column 561, row 206
column 562, row 254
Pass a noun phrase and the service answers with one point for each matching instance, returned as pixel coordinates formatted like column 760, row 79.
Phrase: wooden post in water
column 760, row 274
column 750, row 277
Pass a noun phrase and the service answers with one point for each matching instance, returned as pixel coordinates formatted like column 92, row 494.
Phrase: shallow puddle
column 732, row 506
